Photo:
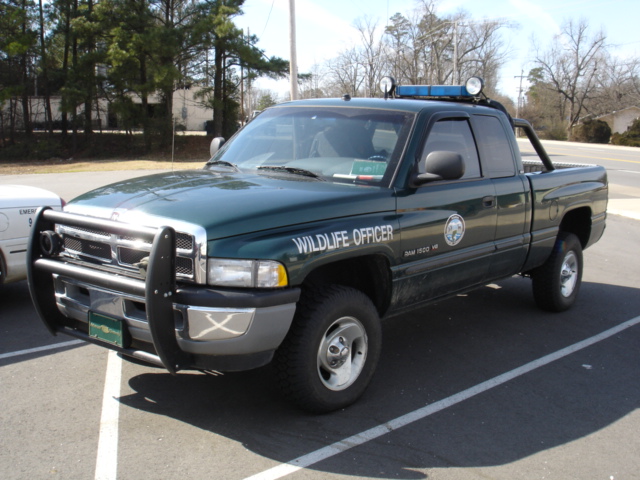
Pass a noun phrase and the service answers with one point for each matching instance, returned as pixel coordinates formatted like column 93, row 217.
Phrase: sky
column 325, row 27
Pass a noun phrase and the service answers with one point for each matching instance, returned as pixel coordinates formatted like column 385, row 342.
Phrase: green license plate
column 107, row 329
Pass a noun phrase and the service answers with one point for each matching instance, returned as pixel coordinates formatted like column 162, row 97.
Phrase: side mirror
column 440, row 165
column 216, row 143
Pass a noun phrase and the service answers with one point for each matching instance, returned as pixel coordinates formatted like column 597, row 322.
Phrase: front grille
column 88, row 247
column 184, row 266
column 130, row 256
column 127, row 251
column 184, row 241
column 100, row 233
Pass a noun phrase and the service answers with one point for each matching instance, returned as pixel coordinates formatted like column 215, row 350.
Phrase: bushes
column 554, row 130
column 630, row 138
column 592, row 131
column 99, row 146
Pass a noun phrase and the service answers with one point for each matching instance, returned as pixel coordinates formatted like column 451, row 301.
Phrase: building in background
column 189, row 112
column 619, row 121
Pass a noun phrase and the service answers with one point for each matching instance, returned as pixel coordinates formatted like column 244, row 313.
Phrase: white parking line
column 39, row 349
column 107, row 457
column 399, row 422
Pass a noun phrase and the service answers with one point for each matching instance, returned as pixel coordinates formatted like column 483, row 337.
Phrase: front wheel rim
column 342, row 353
column 569, row 274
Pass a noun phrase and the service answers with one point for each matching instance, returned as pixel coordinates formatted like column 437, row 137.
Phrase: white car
column 18, row 206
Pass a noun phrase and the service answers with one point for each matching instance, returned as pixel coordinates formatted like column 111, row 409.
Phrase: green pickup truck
column 313, row 223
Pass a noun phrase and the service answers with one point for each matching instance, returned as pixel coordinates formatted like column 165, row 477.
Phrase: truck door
column 447, row 227
column 512, row 195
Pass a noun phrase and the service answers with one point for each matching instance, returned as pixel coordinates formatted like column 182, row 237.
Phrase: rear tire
column 556, row 283
column 330, row 353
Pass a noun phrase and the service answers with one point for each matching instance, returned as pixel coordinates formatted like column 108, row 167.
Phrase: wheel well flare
column 370, row 274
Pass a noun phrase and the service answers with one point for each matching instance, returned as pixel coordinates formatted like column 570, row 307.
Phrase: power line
column 268, row 17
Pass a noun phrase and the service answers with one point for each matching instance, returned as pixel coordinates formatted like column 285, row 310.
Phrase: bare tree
column 481, row 51
column 310, row 83
column 570, row 67
column 419, row 48
column 357, row 70
column 405, row 45
column 372, row 56
column 345, row 74
column 618, row 85
column 443, row 50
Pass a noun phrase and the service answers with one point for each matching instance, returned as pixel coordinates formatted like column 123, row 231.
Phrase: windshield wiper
column 223, row 163
column 293, row 170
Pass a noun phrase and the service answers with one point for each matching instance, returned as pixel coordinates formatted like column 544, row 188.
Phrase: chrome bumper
column 200, row 330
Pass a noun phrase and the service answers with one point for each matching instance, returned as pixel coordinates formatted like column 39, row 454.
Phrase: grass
column 62, row 166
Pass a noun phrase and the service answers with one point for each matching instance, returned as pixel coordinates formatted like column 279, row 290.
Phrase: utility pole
column 293, row 62
column 454, row 80
column 249, row 110
column 519, row 104
column 242, row 115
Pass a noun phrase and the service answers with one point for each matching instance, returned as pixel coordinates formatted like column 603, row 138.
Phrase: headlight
column 223, row 272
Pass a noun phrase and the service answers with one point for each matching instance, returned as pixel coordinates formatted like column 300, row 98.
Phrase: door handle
column 488, row 202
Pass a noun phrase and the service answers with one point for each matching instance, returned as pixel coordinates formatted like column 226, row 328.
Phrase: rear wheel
column 330, row 353
column 556, row 283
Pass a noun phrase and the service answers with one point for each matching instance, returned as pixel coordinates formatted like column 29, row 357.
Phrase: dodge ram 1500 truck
column 315, row 221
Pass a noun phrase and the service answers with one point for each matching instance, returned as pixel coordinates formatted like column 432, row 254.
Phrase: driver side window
column 453, row 135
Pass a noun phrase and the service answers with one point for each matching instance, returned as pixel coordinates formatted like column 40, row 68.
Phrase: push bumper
column 174, row 326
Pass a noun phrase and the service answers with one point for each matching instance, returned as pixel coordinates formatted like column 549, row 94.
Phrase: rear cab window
column 495, row 149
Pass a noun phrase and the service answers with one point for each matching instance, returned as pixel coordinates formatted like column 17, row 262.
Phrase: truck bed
column 571, row 192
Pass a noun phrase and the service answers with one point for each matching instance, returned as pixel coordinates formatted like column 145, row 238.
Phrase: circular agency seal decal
column 454, row 230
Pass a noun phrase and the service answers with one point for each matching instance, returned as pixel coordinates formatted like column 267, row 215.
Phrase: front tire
column 330, row 353
column 556, row 283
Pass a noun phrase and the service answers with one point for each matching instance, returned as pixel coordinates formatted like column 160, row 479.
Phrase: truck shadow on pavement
column 429, row 355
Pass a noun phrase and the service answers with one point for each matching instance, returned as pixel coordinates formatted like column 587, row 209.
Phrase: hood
column 231, row 204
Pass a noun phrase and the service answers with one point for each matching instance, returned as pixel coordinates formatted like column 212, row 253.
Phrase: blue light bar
column 432, row 91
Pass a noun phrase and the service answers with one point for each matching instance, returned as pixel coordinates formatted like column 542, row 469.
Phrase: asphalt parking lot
column 484, row 385
column 437, row 408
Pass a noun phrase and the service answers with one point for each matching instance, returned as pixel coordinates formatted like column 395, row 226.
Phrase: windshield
column 343, row 144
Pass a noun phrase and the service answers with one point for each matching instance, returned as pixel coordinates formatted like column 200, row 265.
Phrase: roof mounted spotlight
column 474, row 86
column 387, row 85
